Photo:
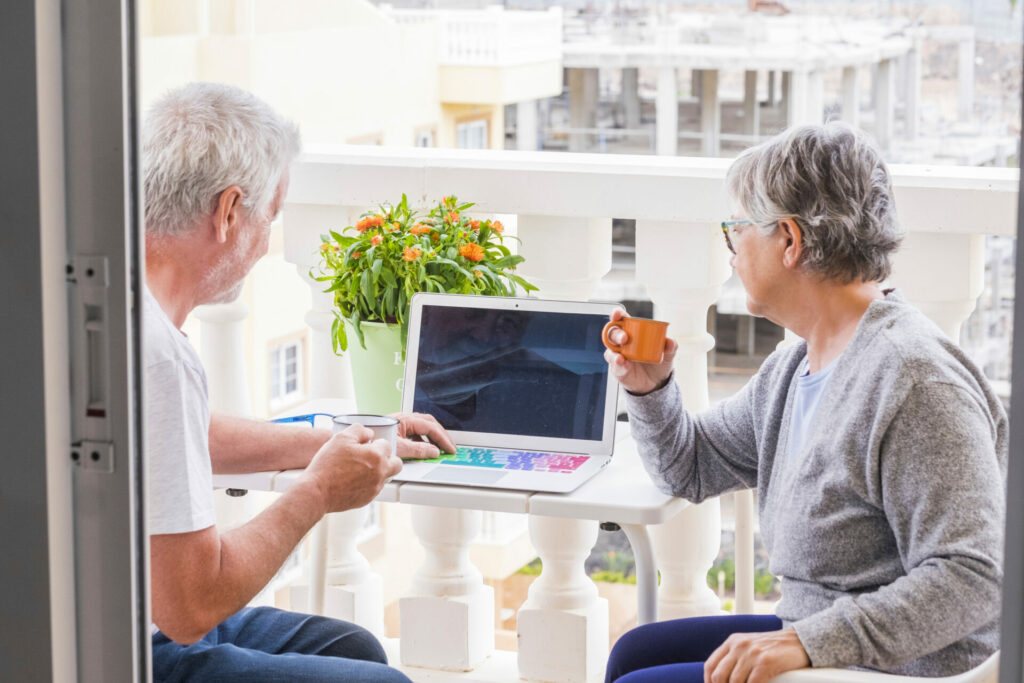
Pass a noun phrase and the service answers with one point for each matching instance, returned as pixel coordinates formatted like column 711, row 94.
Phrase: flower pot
column 378, row 370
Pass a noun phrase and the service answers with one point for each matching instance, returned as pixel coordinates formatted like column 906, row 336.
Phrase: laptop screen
column 527, row 373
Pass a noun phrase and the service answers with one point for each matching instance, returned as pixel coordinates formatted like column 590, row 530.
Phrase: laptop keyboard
column 502, row 459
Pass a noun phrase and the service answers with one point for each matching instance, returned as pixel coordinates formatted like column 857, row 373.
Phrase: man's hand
column 755, row 657
column 412, row 427
column 639, row 378
column 351, row 469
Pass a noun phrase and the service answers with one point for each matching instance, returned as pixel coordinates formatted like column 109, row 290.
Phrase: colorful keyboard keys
column 496, row 458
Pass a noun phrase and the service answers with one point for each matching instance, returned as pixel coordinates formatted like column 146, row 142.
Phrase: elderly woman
column 877, row 448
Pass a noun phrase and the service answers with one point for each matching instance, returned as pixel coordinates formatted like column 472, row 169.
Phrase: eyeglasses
column 310, row 418
column 729, row 225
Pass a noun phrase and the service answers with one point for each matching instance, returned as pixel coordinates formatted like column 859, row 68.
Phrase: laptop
column 520, row 384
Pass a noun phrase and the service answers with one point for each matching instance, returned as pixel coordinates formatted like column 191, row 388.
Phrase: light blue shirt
column 809, row 389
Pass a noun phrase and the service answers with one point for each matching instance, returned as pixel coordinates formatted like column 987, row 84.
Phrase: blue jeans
column 675, row 651
column 266, row 644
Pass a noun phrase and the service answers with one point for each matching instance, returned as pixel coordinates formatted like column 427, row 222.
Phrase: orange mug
column 646, row 342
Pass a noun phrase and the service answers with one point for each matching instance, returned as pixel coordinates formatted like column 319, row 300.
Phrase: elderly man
column 216, row 163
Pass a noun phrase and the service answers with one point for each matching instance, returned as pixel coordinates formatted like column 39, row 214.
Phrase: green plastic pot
column 378, row 370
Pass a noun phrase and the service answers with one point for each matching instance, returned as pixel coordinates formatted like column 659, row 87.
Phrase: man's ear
column 794, row 242
column 227, row 215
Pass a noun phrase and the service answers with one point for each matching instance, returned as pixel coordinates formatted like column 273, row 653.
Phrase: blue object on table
column 309, row 417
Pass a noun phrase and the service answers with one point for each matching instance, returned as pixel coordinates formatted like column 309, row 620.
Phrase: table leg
column 646, row 572
column 318, row 566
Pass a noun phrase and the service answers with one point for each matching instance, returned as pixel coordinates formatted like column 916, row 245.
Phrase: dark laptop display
column 528, row 373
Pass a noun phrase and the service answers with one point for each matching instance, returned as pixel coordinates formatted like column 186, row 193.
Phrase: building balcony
column 561, row 207
column 494, row 56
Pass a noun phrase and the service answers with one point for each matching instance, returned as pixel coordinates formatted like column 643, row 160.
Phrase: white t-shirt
column 176, row 413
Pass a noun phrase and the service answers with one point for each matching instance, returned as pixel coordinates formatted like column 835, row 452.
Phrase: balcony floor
column 500, row 667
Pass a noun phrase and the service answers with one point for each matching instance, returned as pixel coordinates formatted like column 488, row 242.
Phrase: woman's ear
column 227, row 215
column 793, row 242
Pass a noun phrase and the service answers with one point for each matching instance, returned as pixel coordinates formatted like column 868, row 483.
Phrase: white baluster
column 222, row 348
column 447, row 618
column 563, row 625
column 340, row 581
column 684, row 266
column 942, row 274
column 565, row 257
column 342, row 584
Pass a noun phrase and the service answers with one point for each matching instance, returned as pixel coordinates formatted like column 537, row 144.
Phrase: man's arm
column 239, row 446
column 202, row 577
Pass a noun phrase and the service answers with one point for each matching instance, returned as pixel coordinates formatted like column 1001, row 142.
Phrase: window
column 471, row 134
column 286, row 371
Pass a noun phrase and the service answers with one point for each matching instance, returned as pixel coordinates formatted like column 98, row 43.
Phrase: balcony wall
column 561, row 206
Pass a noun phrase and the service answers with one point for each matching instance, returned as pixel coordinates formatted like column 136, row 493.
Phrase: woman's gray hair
column 831, row 179
column 202, row 138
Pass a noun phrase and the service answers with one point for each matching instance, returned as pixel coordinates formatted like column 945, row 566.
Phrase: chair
column 986, row 672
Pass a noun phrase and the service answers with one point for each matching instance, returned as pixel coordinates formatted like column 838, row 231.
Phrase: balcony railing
column 561, row 207
column 494, row 37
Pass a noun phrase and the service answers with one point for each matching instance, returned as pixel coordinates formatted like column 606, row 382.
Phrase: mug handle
column 605, row 338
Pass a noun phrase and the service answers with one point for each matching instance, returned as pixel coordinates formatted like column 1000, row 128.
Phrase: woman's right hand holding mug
column 638, row 377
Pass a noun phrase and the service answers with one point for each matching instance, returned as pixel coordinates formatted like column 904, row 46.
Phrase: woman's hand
column 755, row 657
column 639, row 378
column 412, row 427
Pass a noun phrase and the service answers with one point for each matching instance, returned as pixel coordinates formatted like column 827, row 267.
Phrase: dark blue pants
column 674, row 651
column 266, row 644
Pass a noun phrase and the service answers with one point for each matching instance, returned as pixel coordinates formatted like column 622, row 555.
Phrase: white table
column 621, row 493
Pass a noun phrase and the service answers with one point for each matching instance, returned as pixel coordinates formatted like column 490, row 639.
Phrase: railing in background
column 494, row 37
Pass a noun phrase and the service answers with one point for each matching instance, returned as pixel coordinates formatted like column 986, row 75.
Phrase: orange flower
column 497, row 227
column 419, row 229
column 356, row 254
column 411, row 254
column 472, row 252
column 369, row 222
column 377, row 239
column 324, row 248
column 445, row 200
column 395, row 226
column 436, row 238
column 477, row 273
column 475, row 225
column 453, row 217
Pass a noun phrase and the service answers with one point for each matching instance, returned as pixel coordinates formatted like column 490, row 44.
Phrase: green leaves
column 375, row 267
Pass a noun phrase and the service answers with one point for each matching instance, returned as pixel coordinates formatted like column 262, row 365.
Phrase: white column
column 942, row 274
column 850, row 96
column 912, row 106
column 526, row 125
column 631, row 96
column 583, row 92
column 885, row 103
column 222, row 348
column 796, row 98
column 815, row 97
column 772, row 90
column 751, row 106
column 710, row 113
column 965, row 79
column 330, row 375
column 563, row 625
column 447, row 617
column 345, row 588
column 683, row 266
column 666, row 106
column 546, row 240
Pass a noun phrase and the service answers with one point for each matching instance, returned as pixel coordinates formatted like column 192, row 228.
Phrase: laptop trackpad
column 462, row 475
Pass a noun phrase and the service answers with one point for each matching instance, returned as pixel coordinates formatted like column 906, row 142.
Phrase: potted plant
column 375, row 267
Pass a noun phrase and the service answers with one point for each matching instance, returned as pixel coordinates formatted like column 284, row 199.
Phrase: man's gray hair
column 831, row 179
column 202, row 138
